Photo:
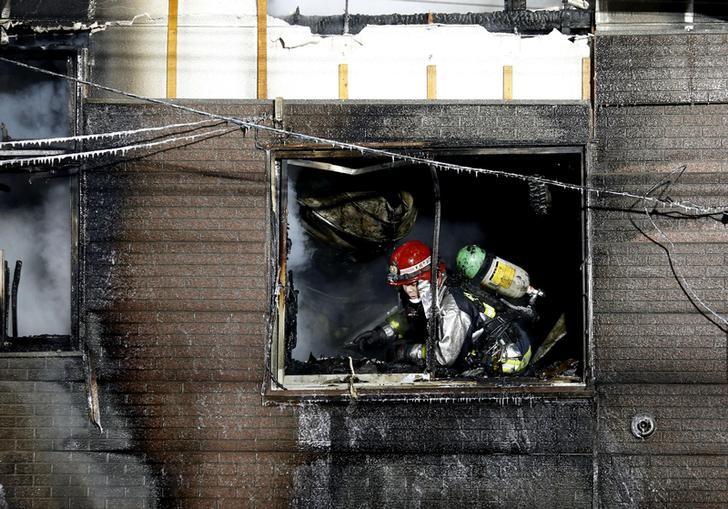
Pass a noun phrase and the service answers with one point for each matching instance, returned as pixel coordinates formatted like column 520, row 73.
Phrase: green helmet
column 469, row 260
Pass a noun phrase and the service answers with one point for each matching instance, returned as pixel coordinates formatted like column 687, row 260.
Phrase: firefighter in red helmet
column 472, row 334
column 406, row 331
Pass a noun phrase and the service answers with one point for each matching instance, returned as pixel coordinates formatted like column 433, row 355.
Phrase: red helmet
column 409, row 263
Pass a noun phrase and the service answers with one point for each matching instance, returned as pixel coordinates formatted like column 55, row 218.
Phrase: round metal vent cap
column 643, row 426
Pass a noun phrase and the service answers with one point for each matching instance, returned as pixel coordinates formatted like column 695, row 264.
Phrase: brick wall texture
column 175, row 308
column 660, row 105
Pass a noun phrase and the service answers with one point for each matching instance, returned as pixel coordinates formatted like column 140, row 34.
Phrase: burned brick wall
column 527, row 451
column 175, row 307
column 51, row 455
column 175, row 310
column 659, row 107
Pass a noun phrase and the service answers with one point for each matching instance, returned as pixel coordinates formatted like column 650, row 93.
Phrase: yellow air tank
column 494, row 273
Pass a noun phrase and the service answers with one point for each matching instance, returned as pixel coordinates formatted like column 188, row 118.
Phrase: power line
column 75, row 156
column 115, row 134
column 700, row 306
column 684, row 285
column 248, row 124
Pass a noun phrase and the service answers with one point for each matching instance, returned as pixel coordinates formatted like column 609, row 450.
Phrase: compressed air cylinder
column 494, row 273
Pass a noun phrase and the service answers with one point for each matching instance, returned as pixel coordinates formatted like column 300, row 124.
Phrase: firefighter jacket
column 466, row 325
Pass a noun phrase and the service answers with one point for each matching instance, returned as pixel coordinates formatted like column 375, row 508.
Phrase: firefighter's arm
column 392, row 328
column 454, row 325
column 395, row 326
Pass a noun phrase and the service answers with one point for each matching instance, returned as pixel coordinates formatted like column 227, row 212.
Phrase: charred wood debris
column 520, row 21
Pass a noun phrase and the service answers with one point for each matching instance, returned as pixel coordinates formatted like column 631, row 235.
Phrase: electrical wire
column 100, row 136
column 247, row 124
column 75, row 156
column 699, row 305
column 685, row 287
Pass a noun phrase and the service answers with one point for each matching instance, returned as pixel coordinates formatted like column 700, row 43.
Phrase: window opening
column 36, row 208
column 341, row 220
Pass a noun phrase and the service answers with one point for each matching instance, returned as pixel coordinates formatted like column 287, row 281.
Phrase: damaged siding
column 654, row 354
column 176, row 303
column 52, row 453
column 175, row 300
column 445, row 454
column 518, row 21
column 384, row 62
column 175, row 311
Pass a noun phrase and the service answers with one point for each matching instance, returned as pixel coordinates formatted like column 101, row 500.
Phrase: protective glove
column 411, row 353
column 367, row 340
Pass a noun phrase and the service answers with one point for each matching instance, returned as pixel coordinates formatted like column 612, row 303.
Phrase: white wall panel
column 216, row 58
column 130, row 58
column 216, row 62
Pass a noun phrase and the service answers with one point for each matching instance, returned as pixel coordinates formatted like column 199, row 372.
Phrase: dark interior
column 343, row 292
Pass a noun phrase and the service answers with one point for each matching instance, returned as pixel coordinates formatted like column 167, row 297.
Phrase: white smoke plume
column 35, row 216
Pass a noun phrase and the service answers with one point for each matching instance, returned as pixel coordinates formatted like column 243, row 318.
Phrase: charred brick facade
column 659, row 106
column 175, row 299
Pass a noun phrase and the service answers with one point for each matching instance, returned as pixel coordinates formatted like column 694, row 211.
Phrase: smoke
column 39, row 233
column 36, row 110
column 339, row 295
column 35, row 215
column 298, row 260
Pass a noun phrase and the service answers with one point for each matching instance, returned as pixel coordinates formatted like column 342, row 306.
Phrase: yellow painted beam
column 172, row 13
column 343, row 81
column 586, row 79
column 432, row 82
column 262, row 10
column 507, row 82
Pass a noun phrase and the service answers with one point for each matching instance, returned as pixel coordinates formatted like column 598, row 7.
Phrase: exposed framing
column 279, row 386
column 78, row 206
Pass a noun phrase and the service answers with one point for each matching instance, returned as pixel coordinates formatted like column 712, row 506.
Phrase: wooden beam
column 3, row 327
column 14, row 297
column 343, row 81
column 507, row 82
column 585, row 79
column 432, row 82
column 262, row 81
column 172, row 13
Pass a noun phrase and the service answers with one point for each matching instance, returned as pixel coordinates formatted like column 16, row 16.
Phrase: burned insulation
column 567, row 21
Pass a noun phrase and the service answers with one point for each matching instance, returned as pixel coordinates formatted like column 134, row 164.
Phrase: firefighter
column 469, row 333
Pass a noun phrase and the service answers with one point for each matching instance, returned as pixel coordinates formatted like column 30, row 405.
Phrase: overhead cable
column 700, row 306
column 75, row 156
column 684, row 285
column 99, row 136
column 247, row 124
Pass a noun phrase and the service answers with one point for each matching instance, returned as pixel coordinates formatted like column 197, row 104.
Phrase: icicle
column 98, row 136
column 77, row 156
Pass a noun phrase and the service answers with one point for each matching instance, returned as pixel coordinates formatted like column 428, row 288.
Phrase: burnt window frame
column 62, row 344
column 279, row 387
